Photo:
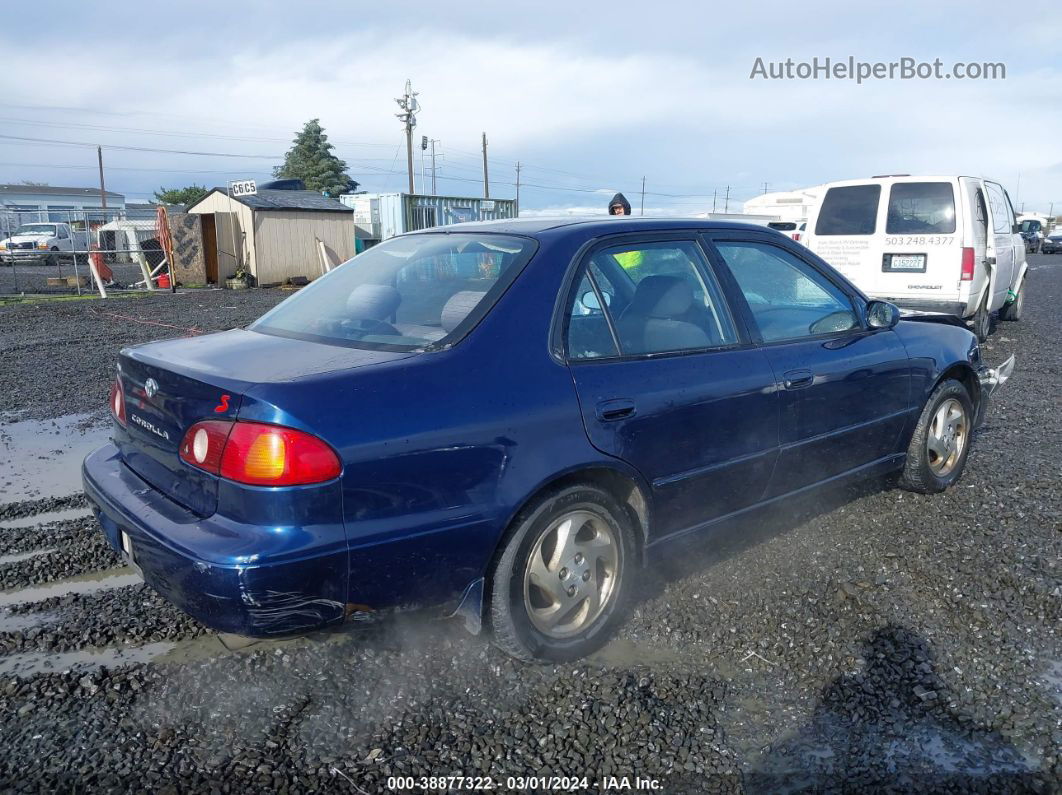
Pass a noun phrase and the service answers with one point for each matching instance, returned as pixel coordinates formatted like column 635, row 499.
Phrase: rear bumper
column 231, row 586
column 945, row 307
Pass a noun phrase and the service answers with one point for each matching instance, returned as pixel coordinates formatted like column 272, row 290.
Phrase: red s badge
column 223, row 406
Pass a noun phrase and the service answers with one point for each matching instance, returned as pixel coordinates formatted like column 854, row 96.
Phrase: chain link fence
column 47, row 251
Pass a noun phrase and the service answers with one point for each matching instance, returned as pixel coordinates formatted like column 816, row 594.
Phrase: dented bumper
column 217, row 570
column 992, row 378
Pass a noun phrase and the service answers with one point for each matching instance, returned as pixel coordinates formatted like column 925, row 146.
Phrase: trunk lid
column 171, row 385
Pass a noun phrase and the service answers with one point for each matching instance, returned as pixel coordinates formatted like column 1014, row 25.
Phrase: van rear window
column 849, row 210
column 921, row 208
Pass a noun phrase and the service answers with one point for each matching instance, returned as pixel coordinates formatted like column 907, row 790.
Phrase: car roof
column 595, row 225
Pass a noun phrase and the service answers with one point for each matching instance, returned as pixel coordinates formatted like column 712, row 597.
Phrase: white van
column 930, row 244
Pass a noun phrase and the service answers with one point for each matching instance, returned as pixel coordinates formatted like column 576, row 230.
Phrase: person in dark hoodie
column 619, row 205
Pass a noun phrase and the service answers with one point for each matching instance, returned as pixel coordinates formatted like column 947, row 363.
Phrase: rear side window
column 1001, row 220
column 921, row 208
column 660, row 297
column 849, row 210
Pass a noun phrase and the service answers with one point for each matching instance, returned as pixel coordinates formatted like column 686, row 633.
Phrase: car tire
column 52, row 260
column 981, row 325
column 537, row 618
column 1012, row 312
column 940, row 444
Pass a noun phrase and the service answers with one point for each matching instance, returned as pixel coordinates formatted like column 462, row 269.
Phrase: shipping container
column 379, row 216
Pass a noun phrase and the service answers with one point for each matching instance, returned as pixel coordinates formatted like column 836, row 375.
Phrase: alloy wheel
column 947, row 437
column 572, row 574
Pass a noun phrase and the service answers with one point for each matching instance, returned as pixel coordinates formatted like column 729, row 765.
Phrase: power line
column 127, row 148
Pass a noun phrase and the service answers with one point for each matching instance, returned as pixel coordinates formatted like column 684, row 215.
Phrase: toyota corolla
column 504, row 421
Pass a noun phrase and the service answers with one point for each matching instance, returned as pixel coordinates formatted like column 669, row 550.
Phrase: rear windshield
column 849, row 210
column 921, row 208
column 410, row 293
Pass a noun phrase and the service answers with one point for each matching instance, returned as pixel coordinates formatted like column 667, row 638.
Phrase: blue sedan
column 504, row 421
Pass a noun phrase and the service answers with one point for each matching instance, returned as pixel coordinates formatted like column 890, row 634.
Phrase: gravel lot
column 868, row 639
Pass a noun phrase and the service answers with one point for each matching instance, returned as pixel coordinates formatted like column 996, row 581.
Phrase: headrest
column 458, row 307
column 373, row 301
column 661, row 297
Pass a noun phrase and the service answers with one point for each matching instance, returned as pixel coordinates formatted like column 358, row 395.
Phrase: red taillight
column 796, row 236
column 118, row 401
column 259, row 454
column 967, row 265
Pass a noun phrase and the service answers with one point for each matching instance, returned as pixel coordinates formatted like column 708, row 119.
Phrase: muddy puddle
column 85, row 584
column 42, row 458
column 15, row 622
column 34, row 662
column 17, row 557
column 49, row 517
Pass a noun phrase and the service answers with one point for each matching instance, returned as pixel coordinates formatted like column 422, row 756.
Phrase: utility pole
column 409, row 105
column 764, row 188
column 103, row 189
column 433, row 191
column 715, row 193
column 486, row 182
column 726, row 201
column 641, row 208
column 517, row 188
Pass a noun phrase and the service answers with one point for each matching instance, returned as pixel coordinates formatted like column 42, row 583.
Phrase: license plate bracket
column 904, row 263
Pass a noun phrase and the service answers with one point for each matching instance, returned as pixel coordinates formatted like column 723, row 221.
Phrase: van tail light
column 796, row 236
column 967, row 265
column 259, row 454
column 118, row 401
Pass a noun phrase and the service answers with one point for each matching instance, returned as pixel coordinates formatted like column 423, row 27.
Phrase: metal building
column 273, row 234
column 379, row 216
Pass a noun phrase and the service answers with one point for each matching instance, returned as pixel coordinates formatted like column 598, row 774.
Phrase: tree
column 312, row 161
column 189, row 195
column 31, row 184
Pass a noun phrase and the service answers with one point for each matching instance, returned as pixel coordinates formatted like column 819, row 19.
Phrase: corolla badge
column 151, row 387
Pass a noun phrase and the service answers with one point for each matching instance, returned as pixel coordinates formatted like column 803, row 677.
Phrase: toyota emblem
column 151, row 387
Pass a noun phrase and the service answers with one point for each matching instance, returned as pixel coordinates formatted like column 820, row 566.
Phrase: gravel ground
column 86, row 335
column 863, row 640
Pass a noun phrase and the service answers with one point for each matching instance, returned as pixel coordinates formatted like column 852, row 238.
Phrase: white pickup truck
column 43, row 243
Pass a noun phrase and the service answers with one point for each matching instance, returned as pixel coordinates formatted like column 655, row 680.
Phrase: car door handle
column 612, row 410
column 798, row 379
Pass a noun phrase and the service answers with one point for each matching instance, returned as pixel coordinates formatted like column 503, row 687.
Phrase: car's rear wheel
column 940, row 444
column 1012, row 311
column 559, row 584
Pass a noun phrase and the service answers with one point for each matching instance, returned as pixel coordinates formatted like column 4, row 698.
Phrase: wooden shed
column 273, row 233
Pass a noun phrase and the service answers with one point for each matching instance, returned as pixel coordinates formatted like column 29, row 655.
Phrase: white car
column 42, row 243
column 941, row 244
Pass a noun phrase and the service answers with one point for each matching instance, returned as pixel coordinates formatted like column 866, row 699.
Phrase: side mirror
column 882, row 314
column 1016, row 229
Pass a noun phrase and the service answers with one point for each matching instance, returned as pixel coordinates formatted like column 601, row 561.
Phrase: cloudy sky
column 588, row 97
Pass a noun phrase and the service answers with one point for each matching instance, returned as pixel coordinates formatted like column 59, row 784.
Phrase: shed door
column 210, row 247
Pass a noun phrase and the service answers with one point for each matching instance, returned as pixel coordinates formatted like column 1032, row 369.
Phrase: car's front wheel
column 940, row 445
column 558, row 587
